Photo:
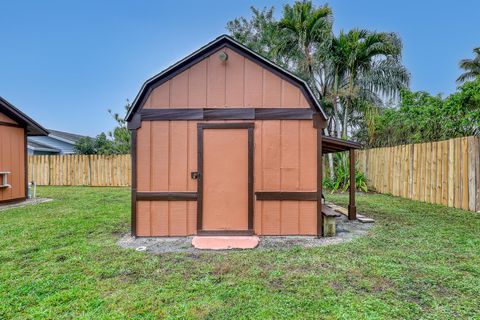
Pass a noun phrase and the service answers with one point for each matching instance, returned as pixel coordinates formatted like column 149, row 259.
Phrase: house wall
column 284, row 160
column 12, row 159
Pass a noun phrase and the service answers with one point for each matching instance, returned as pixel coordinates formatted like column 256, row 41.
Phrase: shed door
column 224, row 177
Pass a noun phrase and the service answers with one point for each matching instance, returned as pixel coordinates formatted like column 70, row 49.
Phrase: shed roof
column 331, row 145
column 222, row 41
column 33, row 128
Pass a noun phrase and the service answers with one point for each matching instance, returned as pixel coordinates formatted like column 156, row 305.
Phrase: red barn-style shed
column 225, row 142
column 14, row 128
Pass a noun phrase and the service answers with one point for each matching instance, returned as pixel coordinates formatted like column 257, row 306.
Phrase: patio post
column 352, row 209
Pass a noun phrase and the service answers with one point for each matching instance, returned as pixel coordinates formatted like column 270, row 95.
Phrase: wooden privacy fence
column 444, row 172
column 80, row 170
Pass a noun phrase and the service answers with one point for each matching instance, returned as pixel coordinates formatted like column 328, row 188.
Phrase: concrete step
column 225, row 242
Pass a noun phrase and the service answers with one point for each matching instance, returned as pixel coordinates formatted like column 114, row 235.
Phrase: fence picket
column 444, row 172
column 79, row 170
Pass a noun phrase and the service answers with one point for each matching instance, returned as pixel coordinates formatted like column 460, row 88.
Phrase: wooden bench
column 329, row 221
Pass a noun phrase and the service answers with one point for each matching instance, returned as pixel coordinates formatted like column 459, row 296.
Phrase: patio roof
column 332, row 145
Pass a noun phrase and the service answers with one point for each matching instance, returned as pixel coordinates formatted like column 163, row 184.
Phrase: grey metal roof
column 37, row 146
column 72, row 137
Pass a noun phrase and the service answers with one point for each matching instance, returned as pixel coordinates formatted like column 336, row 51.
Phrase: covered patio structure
column 333, row 145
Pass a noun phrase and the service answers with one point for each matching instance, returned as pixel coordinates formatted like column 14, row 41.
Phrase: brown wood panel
column 253, row 85
column 272, row 90
column 159, row 219
column 178, row 218
column 271, row 217
column 290, row 95
column 179, row 91
column 308, row 157
column 235, row 79
column 290, row 155
column 197, row 84
column 143, row 222
column 216, row 81
column 308, row 218
column 258, row 157
column 271, row 155
column 159, row 157
column 12, row 159
column 143, row 157
column 192, row 155
column 160, row 97
column 178, row 175
column 289, row 222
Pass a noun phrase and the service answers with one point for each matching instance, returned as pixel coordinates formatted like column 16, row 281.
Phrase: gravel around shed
column 346, row 231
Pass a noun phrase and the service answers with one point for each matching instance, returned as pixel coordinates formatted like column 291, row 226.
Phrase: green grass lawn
column 60, row 260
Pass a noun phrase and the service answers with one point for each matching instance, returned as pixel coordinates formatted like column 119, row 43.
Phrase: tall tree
column 303, row 30
column 471, row 67
column 367, row 68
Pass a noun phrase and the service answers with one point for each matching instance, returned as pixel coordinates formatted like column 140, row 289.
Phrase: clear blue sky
column 66, row 62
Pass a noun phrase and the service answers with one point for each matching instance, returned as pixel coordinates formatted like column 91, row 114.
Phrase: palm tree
column 303, row 29
column 471, row 67
column 367, row 67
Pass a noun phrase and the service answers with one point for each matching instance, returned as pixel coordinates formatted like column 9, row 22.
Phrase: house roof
column 38, row 146
column 65, row 136
column 205, row 51
column 33, row 128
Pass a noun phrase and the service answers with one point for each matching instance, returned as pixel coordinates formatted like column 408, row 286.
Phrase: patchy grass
column 60, row 260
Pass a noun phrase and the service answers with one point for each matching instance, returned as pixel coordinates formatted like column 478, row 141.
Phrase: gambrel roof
column 202, row 53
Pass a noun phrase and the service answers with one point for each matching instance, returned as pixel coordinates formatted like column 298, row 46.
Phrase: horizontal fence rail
column 80, row 170
column 443, row 172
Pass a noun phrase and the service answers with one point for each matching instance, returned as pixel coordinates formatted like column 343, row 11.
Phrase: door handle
column 195, row 175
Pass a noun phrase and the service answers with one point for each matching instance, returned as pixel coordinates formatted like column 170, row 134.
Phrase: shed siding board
column 179, row 91
column 197, row 85
column 234, row 81
column 253, row 94
column 160, row 153
column 144, row 165
column 237, row 82
column 284, row 160
column 215, row 82
column 272, row 90
column 178, row 174
column 12, row 159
